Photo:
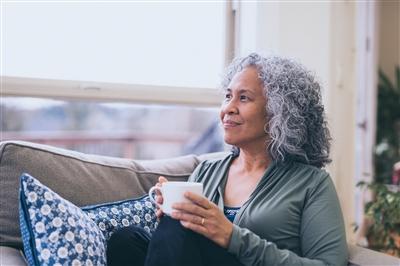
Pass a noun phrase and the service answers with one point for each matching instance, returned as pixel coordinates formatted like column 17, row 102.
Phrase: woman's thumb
column 162, row 179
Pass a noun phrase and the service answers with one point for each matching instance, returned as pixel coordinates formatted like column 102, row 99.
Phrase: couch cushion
column 80, row 178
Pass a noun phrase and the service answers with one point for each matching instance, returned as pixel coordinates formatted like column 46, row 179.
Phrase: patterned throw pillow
column 111, row 216
column 55, row 231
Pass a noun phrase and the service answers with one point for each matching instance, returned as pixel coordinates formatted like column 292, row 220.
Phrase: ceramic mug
column 173, row 192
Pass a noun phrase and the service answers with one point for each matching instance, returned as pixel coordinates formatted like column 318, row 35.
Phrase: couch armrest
column 363, row 256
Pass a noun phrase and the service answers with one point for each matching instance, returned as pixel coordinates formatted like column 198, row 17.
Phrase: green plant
column 387, row 151
column 384, row 217
column 383, row 212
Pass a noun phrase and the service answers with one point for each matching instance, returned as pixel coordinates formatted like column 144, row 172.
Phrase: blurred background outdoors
column 140, row 79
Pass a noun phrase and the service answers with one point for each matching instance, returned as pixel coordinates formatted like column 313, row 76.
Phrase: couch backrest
column 81, row 178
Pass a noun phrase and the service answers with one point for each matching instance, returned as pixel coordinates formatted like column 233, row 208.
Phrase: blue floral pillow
column 111, row 216
column 55, row 231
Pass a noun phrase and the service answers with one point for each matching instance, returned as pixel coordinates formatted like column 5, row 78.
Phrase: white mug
column 173, row 192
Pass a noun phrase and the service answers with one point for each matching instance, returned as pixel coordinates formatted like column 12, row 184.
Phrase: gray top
column 293, row 216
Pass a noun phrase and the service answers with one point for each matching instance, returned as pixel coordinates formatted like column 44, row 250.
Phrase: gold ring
column 202, row 221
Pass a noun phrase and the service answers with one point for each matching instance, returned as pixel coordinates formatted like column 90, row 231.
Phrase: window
column 164, row 58
column 168, row 44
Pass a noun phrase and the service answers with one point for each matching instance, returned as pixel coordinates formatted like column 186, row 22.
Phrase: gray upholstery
column 88, row 179
column 11, row 257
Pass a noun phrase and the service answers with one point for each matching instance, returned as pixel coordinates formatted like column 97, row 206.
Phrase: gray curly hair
column 295, row 121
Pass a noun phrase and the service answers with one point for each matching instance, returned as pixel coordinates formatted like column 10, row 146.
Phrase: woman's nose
column 230, row 107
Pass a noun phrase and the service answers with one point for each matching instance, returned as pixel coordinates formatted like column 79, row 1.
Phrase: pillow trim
column 29, row 252
column 106, row 204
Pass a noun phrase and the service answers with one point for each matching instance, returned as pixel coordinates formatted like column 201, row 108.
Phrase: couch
column 91, row 179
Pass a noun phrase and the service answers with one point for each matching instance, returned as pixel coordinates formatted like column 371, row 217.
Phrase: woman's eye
column 243, row 98
column 228, row 96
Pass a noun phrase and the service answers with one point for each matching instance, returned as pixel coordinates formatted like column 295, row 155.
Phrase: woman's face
column 243, row 113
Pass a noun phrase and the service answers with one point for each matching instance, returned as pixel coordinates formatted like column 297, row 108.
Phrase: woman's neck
column 250, row 161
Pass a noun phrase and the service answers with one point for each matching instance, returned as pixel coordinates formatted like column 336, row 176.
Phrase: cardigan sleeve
column 322, row 235
column 196, row 172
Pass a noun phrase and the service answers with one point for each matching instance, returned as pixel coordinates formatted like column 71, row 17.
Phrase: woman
column 266, row 203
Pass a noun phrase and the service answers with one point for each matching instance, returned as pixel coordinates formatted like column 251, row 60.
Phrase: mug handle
column 151, row 192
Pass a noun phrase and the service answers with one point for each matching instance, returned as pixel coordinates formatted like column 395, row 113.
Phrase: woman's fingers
column 159, row 199
column 199, row 205
column 195, row 227
column 215, row 227
column 187, row 217
column 159, row 213
column 162, row 179
column 204, row 217
column 199, row 200
column 190, row 208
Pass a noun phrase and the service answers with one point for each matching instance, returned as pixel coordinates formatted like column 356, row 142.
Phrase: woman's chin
column 230, row 141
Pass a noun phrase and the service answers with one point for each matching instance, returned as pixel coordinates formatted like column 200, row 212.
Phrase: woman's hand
column 204, row 217
column 159, row 198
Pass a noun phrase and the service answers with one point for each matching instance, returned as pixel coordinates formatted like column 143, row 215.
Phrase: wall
column 322, row 35
column 389, row 37
column 341, row 97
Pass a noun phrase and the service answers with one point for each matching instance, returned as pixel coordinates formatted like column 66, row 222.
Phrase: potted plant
column 383, row 212
column 387, row 151
column 383, row 218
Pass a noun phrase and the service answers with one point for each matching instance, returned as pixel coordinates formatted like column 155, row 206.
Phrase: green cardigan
column 293, row 216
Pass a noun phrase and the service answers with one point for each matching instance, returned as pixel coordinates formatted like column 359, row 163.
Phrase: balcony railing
column 119, row 143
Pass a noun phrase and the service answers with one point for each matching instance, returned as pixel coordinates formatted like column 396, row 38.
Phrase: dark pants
column 170, row 245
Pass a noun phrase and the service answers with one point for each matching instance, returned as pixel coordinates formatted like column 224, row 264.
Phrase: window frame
column 107, row 92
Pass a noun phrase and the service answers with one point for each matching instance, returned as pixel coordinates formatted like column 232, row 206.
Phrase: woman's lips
column 230, row 124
